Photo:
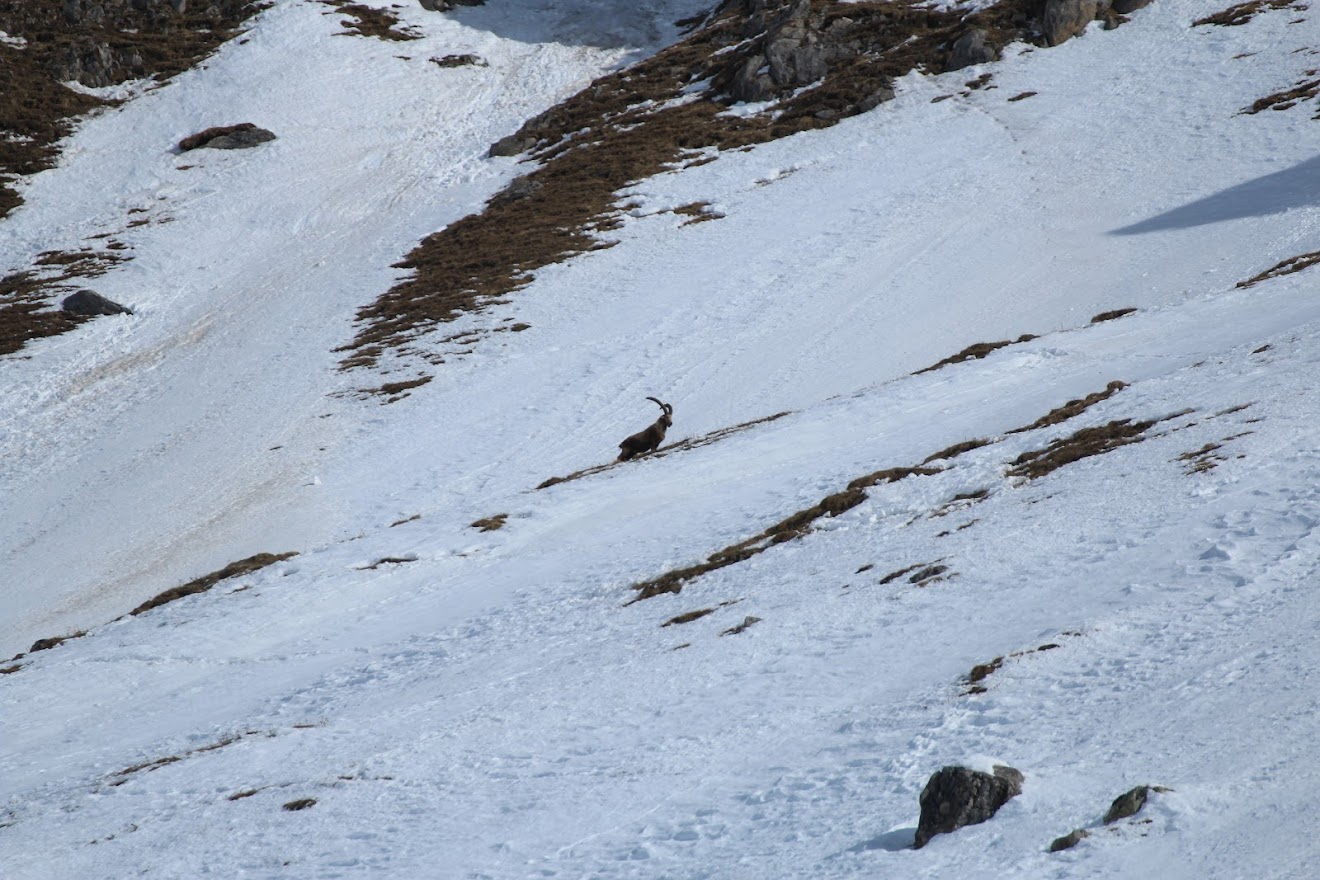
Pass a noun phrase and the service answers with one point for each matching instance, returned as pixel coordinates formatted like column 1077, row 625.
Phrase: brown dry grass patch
column 206, row 582
column 976, row 351
column 628, row 126
column 37, row 110
column 790, row 528
column 1287, row 267
column 982, row 671
column 491, row 523
column 1285, row 98
column 25, row 297
column 1072, row 408
column 1245, row 12
column 1112, row 315
column 1084, row 443
column 368, row 21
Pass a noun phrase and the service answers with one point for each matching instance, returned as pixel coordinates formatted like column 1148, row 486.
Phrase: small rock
column 227, row 137
column 511, row 145
column 1128, row 804
column 91, row 303
column 1069, row 840
column 959, row 796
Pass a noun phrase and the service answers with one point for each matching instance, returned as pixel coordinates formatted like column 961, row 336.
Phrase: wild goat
column 648, row 440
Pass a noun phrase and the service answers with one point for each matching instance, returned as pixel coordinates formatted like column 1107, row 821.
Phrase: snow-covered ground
column 488, row 704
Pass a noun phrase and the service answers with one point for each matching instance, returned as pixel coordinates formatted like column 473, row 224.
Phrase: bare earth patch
column 1245, row 12
column 206, row 582
column 1287, row 267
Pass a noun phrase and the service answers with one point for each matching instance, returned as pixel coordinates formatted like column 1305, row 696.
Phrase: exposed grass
column 1287, row 267
column 1245, row 12
column 957, row 449
column 367, row 21
column 638, row 122
column 1072, row 408
column 491, row 523
column 982, row 671
column 975, row 351
column 206, row 582
column 742, row 627
column 37, row 111
column 121, row 776
column 55, row 641
column 1286, row 98
column 26, row 311
column 1110, row 316
column 680, row 446
column 464, row 60
column 1084, row 443
column 788, row 529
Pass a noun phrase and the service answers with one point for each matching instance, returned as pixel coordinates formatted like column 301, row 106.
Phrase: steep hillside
column 993, row 442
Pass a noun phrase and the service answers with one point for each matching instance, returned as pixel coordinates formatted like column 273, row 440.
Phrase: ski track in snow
column 488, row 705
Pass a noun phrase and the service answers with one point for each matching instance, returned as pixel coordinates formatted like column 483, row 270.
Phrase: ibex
column 648, row 440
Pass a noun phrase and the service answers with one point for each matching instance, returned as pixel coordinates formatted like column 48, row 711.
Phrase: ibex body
column 652, row 437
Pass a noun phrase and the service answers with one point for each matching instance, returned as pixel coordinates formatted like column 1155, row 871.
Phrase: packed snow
column 491, row 704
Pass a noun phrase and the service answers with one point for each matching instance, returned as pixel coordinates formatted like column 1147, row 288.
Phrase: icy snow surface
column 487, row 704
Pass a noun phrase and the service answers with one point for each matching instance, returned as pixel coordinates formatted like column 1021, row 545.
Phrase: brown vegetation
column 1285, row 98
column 628, row 126
column 975, row 351
column 206, row 582
column 1084, row 443
column 368, row 21
column 1287, row 267
column 1072, row 408
column 491, row 523
column 981, row 671
column 1244, row 12
column 1110, row 316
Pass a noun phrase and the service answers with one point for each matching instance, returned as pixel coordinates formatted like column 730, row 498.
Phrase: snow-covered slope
column 464, row 703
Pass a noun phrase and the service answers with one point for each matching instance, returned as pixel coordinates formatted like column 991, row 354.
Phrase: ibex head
column 648, row 440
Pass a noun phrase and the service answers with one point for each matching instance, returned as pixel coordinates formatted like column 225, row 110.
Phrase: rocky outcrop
column 971, row 48
column 1065, row 19
column 227, row 137
column 91, row 303
column 959, row 796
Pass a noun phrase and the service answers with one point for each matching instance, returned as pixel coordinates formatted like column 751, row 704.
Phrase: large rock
column 1065, row 19
column 971, row 48
column 91, row 303
column 1123, row 7
column 959, row 796
column 227, row 137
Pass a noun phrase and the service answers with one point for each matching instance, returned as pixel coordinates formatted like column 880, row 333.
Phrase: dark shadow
column 1275, row 193
column 893, row 841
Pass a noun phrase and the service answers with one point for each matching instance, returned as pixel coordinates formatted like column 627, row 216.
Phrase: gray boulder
column 227, row 137
column 1123, row 7
column 971, row 48
column 1129, row 803
column 512, row 145
column 1065, row 19
column 959, row 796
column 91, row 303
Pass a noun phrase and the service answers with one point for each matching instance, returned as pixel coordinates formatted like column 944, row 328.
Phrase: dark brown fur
column 648, row 440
